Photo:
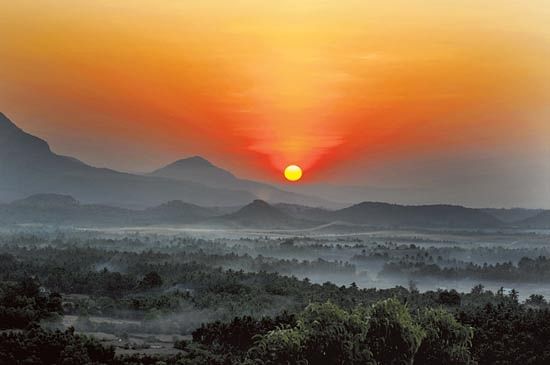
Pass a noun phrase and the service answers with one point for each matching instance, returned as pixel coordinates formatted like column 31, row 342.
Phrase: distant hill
column 28, row 166
column 392, row 215
column 260, row 214
column 513, row 215
column 200, row 170
column 47, row 201
column 58, row 209
column 320, row 215
column 176, row 212
column 65, row 210
column 539, row 221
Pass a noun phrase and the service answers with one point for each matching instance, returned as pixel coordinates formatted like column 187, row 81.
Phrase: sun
column 293, row 173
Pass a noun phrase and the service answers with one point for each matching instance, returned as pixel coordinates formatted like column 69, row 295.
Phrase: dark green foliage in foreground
column 446, row 341
column 353, row 326
column 393, row 336
column 384, row 333
column 37, row 346
column 238, row 335
column 25, row 302
column 509, row 334
column 322, row 334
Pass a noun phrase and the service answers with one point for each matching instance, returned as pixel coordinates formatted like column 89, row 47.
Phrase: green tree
column 393, row 337
column 279, row 347
column 324, row 334
column 333, row 336
column 446, row 342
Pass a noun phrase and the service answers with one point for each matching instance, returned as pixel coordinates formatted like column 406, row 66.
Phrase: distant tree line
column 526, row 270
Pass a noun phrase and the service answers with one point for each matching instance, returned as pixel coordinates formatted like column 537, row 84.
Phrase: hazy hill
column 28, row 166
column 260, row 214
column 175, row 212
column 539, row 221
column 383, row 214
column 202, row 171
column 61, row 210
column 513, row 215
column 47, row 201
column 320, row 215
column 393, row 215
column 58, row 209
column 65, row 210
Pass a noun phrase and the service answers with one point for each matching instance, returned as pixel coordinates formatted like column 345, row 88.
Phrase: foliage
column 509, row 334
column 37, row 346
column 446, row 341
column 25, row 302
column 393, row 336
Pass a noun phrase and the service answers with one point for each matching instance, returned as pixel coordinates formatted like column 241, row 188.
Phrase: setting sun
column 293, row 173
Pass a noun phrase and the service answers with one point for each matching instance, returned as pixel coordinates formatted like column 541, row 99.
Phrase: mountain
column 196, row 169
column 202, row 171
column 260, row 214
column 56, row 209
column 346, row 195
column 176, row 212
column 539, row 221
column 28, row 166
column 47, row 201
column 61, row 210
column 513, row 215
column 320, row 215
column 391, row 215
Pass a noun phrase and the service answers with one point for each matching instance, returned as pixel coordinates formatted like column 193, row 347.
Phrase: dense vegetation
column 252, row 316
column 526, row 270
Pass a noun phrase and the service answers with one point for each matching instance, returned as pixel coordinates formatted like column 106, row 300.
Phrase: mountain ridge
column 200, row 170
column 258, row 214
column 28, row 166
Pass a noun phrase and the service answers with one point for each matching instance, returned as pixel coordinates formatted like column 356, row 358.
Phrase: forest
column 63, row 295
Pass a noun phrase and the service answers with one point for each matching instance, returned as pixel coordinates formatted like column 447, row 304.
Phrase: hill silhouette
column 200, row 170
column 260, row 214
column 539, row 221
column 384, row 214
column 28, row 166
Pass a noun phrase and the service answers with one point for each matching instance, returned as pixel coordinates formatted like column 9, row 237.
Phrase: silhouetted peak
column 259, row 203
column 5, row 122
column 195, row 161
column 15, row 141
column 194, row 168
column 259, row 207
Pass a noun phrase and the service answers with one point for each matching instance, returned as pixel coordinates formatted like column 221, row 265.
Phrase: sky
column 446, row 97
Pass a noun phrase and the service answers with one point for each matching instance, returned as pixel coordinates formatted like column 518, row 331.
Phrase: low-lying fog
column 350, row 257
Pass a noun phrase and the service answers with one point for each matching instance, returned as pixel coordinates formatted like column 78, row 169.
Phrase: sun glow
column 293, row 173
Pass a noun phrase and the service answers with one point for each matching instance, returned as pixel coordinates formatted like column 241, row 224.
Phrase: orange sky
column 343, row 88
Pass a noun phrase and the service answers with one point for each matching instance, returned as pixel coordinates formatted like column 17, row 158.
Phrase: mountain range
column 64, row 210
column 40, row 186
column 202, row 171
column 28, row 166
